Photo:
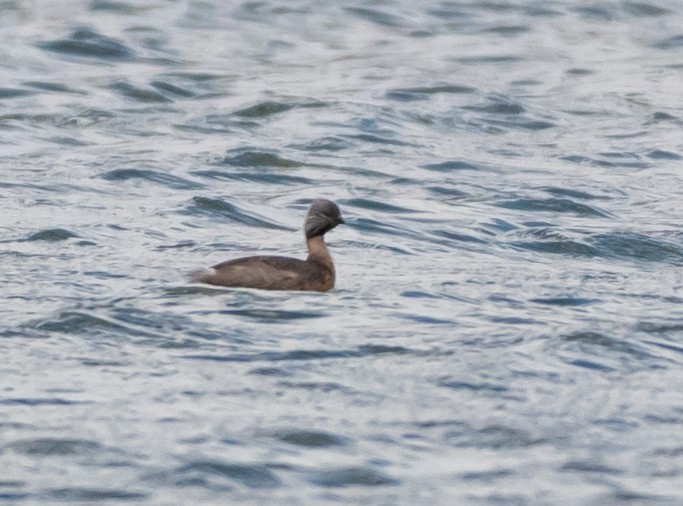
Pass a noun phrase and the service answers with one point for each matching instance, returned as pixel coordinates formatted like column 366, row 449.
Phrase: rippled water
column 506, row 327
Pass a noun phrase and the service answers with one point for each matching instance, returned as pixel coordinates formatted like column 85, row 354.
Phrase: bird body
column 316, row 273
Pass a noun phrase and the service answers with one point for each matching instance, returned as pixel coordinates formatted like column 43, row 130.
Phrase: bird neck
column 317, row 251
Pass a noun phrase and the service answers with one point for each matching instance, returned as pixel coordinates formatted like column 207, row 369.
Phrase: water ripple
column 88, row 43
column 264, row 109
column 52, row 235
column 227, row 211
column 495, row 436
column 309, row 438
column 378, row 139
column 303, row 354
column 636, row 246
column 614, row 160
column 259, row 158
column 147, row 95
column 574, row 194
column 475, row 387
column 452, row 165
column 94, row 495
column 219, row 474
column 627, row 246
column 258, row 177
column 10, row 93
column 375, row 16
column 88, row 321
column 377, row 205
column 54, row 446
column 674, row 42
column 553, row 205
column 424, row 93
column 327, row 143
column 563, row 301
column 53, row 86
column 154, row 176
column 589, row 467
column 35, row 401
column 602, row 340
column 173, row 89
column 549, row 240
column 273, row 316
column 344, row 477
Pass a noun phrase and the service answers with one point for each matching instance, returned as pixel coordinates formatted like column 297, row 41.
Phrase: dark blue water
column 507, row 326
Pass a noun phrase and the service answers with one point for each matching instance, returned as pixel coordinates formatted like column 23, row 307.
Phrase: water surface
column 506, row 324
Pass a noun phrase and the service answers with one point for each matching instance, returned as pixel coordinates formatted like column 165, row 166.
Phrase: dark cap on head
column 323, row 216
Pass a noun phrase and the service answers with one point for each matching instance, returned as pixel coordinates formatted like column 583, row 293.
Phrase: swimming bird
column 316, row 273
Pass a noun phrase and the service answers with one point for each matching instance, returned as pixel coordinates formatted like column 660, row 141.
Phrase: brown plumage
column 316, row 273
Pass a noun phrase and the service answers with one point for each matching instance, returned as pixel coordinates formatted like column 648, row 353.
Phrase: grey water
column 507, row 325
